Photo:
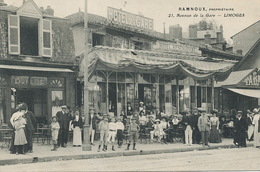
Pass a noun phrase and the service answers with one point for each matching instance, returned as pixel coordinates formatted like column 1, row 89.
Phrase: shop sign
column 170, row 47
column 20, row 80
column 253, row 79
column 124, row 18
column 38, row 81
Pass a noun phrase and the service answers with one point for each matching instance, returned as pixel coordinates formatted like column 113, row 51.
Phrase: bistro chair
column 7, row 134
column 39, row 133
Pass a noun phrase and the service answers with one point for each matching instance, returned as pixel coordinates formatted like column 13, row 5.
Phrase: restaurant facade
column 36, row 62
column 133, row 63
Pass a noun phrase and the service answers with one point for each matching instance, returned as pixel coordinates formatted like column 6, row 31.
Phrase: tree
column 206, row 25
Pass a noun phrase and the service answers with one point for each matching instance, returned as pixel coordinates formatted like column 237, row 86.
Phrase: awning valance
column 33, row 68
column 246, row 92
column 175, row 64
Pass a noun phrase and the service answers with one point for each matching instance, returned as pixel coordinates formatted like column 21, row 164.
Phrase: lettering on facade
column 20, row 80
column 253, row 79
column 125, row 18
column 38, row 81
column 170, row 46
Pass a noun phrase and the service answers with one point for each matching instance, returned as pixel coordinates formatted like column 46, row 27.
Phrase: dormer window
column 28, row 33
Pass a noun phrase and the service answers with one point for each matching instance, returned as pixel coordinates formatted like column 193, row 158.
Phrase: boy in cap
column 120, row 128
column 133, row 133
column 104, row 128
column 112, row 132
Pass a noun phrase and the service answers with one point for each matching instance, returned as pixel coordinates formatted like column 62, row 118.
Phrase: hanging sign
column 124, row 18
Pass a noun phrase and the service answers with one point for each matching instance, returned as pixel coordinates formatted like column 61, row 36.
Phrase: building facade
column 132, row 64
column 36, row 61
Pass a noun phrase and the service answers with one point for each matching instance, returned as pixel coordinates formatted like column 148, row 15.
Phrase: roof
column 245, row 28
column 247, row 54
column 177, row 64
column 234, row 78
column 12, row 9
column 201, row 33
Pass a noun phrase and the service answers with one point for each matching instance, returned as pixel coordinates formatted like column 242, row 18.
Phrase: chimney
column 49, row 11
column 224, row 46
column 42, row 9
column 240, row 52
column 193, row 31
column 207, row 38
column 2, row 3
column 175, row 31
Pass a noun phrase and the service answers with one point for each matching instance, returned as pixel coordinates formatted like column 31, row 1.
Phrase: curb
column 109, row 154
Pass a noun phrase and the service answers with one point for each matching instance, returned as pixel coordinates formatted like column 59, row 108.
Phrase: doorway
column 36, row 99
column 112, row 98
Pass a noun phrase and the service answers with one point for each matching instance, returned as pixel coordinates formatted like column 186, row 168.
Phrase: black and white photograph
column 129, row 85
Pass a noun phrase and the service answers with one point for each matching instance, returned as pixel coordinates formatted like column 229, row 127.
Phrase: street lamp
column 86, row 144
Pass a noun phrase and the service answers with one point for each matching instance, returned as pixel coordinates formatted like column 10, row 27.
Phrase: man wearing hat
column 196, row 137
column 64, row 120
column 204, row 127
column 188, row 125
column 240, row 128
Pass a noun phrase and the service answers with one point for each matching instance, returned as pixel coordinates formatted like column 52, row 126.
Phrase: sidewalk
column 42, row 152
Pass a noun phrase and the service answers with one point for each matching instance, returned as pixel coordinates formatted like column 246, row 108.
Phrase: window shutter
column 14, row 34
column 46, row 38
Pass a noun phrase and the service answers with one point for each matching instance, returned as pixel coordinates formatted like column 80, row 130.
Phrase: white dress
column 256, row 133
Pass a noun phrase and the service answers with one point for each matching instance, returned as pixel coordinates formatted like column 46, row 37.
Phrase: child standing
column 54, row 132
column 112, row 132
column 120, row 128
column 104, row 128
column 133, row 133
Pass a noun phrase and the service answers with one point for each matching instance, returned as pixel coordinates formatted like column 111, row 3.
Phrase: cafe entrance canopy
column 179, row 65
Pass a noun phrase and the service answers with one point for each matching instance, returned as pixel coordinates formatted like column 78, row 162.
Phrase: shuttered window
column 46, row 38
column 13, row 34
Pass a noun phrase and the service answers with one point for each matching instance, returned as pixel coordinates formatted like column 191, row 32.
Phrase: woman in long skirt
column 18, row 121
column 76, row 125
column 214, row 136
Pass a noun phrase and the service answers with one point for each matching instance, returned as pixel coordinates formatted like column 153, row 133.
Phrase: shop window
column 97, row 39
column 121, row 98
column 101, row 97
column 121, row 77
column 209, row 94
column 138, row 45
column 100, row 76
column 112, row 77
column 129, row 78
column 2, row 105
column 29, row 36
column 162, row 98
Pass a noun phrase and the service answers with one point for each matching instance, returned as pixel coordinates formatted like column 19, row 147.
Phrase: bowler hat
column 255, row 110
column 239, row 112
column 201, row 110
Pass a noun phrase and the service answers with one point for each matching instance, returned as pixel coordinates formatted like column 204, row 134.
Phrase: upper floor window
column 29, row 36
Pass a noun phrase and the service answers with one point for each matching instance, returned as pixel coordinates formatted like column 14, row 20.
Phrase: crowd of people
column 190, row 127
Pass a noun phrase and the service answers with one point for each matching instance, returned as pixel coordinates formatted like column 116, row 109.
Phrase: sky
column 160, row 10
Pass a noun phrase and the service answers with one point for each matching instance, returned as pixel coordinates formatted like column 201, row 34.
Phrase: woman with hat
column 18, row 122
column 76, row 126
column 256, row 123
column 214, row 136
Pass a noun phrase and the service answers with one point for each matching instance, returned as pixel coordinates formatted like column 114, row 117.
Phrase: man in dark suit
column 63, row 119
column 188, row 126
column 196, row 137
column 29, row 128
column 240, row 128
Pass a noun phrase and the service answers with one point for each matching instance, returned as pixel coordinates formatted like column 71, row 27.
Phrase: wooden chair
column 38, row 134
column 6, row 136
